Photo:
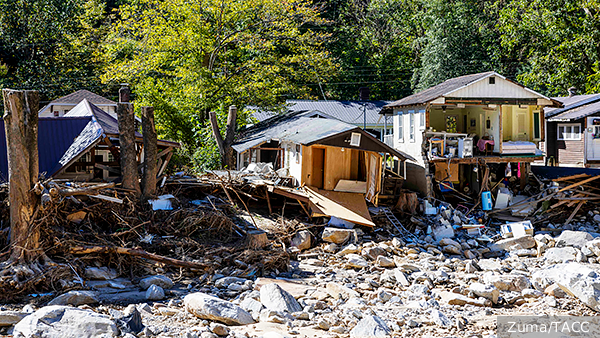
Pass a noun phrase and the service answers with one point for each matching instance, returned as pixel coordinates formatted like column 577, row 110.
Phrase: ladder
column 396, row 223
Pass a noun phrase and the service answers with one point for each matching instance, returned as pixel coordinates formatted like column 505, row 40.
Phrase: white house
column 448, row 128
column 61, row 106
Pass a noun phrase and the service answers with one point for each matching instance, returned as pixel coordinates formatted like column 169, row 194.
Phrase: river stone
column 370, row 326
column 58, row 321
column 208, row 307
column 273, row 297
column 160, row 280
column 75, row 298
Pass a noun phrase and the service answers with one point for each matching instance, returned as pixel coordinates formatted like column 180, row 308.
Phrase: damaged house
column 573, row 132
column 82, row 145
column 338, row 163
column 469, row 123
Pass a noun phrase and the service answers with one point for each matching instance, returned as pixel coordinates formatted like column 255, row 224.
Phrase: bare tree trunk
column 225, row 149
column 21, row 126
column 150, row 152
column 127, row 146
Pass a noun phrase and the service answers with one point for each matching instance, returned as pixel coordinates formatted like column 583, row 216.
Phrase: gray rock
column 356, row 261
column 560, row 255
column 575, row 239
column 509, row 244
column 65, row 322
column 576, row 279
column 507, row 282
column 226, row 281
column 208, row 307
column 370, row 326
column 251, row 305
column 273, row 297
column 338, row 291
column 596, row 218
column 373, row 252
column 160, row 280
column 75, row 298
column 337, row 236
column 155, row 292
column 440, row 319
column 486, row 291
column 385, row 262
column 219, row 329
column 302, row 240
column 102, row 273
column 9, row 318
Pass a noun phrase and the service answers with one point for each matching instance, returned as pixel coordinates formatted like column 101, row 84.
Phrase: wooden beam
column 107, row 168
column 580, row 183
column 575, row 212
column 572, row 177
column 286, row 193
column 164, row 165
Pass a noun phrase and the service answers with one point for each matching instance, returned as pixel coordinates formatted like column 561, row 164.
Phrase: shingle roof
column 298, row 128
column 80, row 95
column 575, row 107
column 570, row 103
column 55, row 136
column 441, row 89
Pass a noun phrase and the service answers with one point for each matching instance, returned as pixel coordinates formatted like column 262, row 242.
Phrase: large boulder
column 335, row 235
column 560, row 255
column 575, row 239
column 273, row 297
column 576, row 279
column 370, row 326
column 486, row 291
column 159, row 280
column 75, row 298
column 302, row 240
column 65, row 322
column 513, row 244
column 208, row 307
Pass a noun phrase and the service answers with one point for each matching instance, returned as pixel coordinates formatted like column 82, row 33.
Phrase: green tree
column 186, row 58
column 556, row 41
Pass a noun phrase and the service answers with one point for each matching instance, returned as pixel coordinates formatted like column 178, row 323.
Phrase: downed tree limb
column 84, row 250
column 89, row 190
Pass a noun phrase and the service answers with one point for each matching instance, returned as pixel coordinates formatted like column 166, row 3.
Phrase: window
column 412, row 127
column 536, row 125
column 422, row 119
column 400, row 127
column 492, row 80
column 55, row 113
column 569, row 132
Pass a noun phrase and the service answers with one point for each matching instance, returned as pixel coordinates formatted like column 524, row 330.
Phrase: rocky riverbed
column 350, row 285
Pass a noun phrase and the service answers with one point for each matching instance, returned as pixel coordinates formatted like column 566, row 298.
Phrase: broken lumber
column 89, row 190
column 84, row 250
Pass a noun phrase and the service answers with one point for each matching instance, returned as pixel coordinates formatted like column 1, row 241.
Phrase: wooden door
column 318, row 169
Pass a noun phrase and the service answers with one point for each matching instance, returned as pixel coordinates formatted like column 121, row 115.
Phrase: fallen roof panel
column 348, row 206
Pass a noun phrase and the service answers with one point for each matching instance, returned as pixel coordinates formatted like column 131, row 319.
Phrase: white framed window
column 401, row 126
column 422, row 119
column 412, row 126
column 569, row 132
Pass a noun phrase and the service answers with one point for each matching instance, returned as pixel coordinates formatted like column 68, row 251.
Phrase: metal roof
column 575, row 107
column 425, row 96
column 346, row 111
column 55, row 136
column 299, row 128
column 80, row 95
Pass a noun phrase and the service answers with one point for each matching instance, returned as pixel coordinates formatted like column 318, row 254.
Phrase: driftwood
column 150, row 152
column 84, row 250
column 89, row 190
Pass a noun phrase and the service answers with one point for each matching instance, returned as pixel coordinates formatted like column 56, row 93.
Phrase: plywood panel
column 318, row 167
column 337, row 166
column 354, row 164
column 306, row 165
column 441, row 172
column 347, row 206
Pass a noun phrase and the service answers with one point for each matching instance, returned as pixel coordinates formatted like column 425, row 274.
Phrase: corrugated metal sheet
column 347, row 111
column 55, row 136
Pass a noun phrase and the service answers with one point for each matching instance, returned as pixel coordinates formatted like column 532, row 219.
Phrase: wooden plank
column 107, row 198
column 305, row 210
column 268, row 201
column 580, row 183
column 575, row 212
column 107, row 168
column 572, row 177
column 357, row 187
column 291, row 193
column 347, row 206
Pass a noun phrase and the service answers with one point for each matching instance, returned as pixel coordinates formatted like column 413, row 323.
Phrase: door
column 520, row 127
column 593, row 138
column 318, row 169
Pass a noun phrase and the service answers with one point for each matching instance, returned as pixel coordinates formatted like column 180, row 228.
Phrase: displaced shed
column 318, row 152
column 573, row 132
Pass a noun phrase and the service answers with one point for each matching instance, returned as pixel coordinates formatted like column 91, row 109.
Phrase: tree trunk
column 127, row 147
column 225, row 149
column 21, row 127
column 150, row 152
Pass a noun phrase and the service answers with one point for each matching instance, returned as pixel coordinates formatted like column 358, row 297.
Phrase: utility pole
column 364, row 93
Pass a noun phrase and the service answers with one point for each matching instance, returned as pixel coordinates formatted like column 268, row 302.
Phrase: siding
column 570, row 152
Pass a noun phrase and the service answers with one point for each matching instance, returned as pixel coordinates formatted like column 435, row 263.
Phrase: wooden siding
column 570, row 152
column 501, row 89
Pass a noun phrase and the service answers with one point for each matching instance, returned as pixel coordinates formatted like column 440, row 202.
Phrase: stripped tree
column 150, row 152
column 128, row 150
column 225, row 149
column 27, row 259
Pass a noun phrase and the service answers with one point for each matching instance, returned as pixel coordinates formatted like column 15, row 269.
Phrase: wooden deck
column 490, row 159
